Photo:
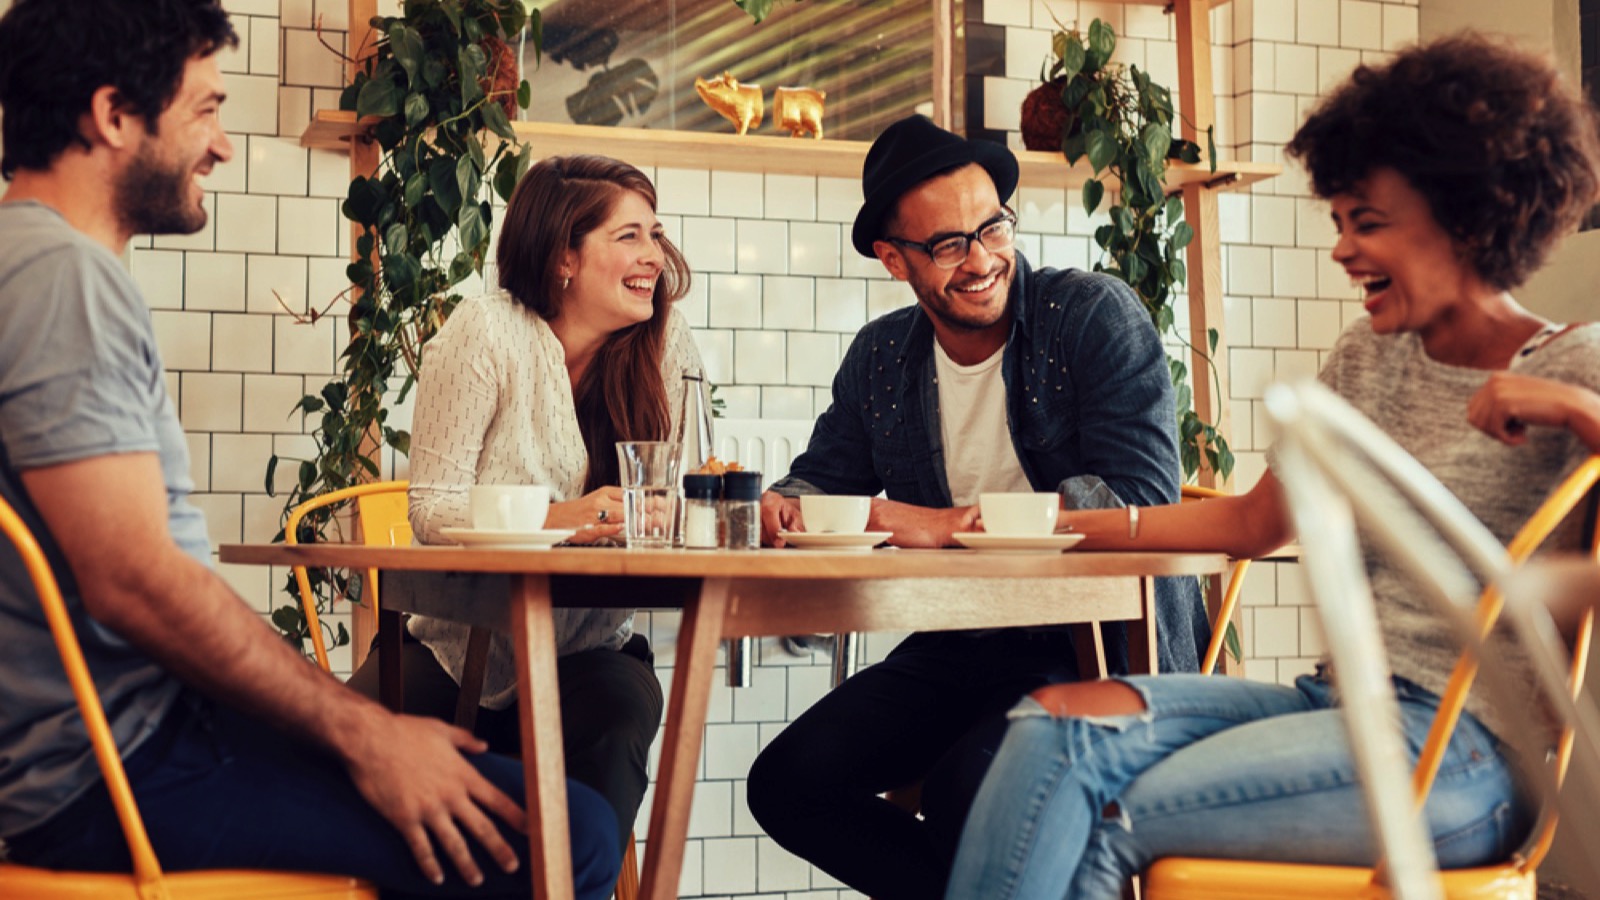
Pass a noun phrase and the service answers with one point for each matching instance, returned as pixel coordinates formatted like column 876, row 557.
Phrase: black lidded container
column 741, row 510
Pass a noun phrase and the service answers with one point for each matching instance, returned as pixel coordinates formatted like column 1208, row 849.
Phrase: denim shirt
column 1089, row 404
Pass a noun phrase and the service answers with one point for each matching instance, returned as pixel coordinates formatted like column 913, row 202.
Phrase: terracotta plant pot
column 1045, row 119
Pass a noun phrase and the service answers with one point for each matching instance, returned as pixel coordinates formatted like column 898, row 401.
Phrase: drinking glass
column 649, row 472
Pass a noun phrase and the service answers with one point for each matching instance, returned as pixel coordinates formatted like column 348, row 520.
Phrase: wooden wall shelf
column 335, row 129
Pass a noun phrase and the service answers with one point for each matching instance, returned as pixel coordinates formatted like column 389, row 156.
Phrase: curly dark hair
column 54, row 56
column 1505, row 151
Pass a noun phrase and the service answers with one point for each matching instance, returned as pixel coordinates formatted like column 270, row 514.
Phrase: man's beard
column 938, row 305
column 153, row 198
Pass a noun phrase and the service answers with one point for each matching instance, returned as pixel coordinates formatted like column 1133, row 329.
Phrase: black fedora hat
column 910, row 152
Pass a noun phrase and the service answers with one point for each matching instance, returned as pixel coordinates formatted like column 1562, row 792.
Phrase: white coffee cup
column 825, row 513
column 508, row 507
column 1019, row 515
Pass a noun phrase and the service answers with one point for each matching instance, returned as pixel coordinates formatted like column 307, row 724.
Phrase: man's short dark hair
column 1504, row 150
column 55, row 55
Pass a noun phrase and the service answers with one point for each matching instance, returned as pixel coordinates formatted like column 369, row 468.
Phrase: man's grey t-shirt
column 79, row 378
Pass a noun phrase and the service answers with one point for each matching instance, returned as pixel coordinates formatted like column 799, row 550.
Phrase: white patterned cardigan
column 495, row 406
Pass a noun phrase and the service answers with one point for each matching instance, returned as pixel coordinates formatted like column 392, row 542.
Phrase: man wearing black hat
column 1000, row 378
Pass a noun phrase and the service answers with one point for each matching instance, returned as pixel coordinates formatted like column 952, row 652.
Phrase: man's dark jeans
column 219, row 790
column 934, row 712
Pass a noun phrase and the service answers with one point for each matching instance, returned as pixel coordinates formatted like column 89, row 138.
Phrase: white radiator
column 764, row 445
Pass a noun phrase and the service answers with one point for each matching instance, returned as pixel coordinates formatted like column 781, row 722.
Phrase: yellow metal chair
column 147, row 881
column 1230, row 597
column 1210, row 879
column 381, row 509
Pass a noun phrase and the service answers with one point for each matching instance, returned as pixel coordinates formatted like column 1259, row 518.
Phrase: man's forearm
column 920, row 526
column 187, row 619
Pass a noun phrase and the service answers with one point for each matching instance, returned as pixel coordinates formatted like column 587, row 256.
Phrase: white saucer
column 983, row 540
column 542, row 539
column 827, row 540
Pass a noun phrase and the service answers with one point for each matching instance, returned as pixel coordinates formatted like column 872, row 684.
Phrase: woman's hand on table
column 778, row 513
column 595, row 515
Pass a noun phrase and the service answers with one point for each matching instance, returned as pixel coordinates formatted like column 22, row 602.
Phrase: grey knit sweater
column 1422, row 404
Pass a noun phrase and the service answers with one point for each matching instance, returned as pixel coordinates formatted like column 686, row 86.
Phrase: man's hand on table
column 921, row 526
column 412, row 772
column 778, row 513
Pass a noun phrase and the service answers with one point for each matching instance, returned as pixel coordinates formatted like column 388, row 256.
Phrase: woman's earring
column 565, row 282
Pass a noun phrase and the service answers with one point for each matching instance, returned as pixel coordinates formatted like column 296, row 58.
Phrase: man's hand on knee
column 412, row 771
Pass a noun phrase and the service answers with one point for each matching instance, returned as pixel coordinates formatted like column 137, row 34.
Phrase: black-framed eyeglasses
column 950, row 250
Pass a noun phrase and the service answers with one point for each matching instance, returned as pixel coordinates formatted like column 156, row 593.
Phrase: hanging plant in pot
column 1121, row 120
column 439, row 90
column 1089, row 106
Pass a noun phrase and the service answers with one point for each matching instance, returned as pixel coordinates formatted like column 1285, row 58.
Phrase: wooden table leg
column 1142, row 658
column 698, row 637
column 539, row 708
column 1090, row 647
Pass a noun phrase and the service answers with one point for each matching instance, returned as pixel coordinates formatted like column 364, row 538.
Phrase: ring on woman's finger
column 603, row 514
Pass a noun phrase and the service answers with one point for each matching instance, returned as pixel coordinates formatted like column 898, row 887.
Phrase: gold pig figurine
column 798, row 109
column 738, row 103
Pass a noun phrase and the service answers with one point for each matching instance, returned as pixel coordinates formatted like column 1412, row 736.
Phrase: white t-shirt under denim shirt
column 1422, row 405
column 80, row 377
column 978, row 454
column 495, row 406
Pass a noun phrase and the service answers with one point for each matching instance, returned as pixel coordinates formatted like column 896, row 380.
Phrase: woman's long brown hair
column 621, row 397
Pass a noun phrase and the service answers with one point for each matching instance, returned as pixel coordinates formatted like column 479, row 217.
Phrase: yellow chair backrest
column 1230, row 597
column 1562, row 501
column 1193, row 879
column 147, row 882
column 381, row 508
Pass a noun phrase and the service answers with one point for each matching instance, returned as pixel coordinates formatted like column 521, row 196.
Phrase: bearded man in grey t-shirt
column 110, row 119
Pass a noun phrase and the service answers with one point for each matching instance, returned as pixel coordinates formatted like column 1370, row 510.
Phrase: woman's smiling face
column 1412, row 273
column 615, row 269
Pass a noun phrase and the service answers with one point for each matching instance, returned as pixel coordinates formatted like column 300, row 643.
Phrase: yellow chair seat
column 1178, row 878
column 213, row 884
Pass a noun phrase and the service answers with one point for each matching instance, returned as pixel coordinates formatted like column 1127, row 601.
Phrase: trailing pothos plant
column 1121, row 120
column 437, row 92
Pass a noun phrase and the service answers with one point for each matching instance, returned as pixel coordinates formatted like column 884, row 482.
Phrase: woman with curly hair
column 1451, row 171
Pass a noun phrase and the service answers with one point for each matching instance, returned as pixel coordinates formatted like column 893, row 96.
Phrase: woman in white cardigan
column 534, row 384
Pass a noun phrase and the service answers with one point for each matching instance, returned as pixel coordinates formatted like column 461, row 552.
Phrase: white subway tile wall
column 778, row 294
